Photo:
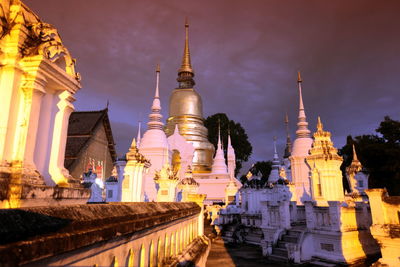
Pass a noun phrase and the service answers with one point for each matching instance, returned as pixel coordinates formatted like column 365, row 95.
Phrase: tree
column 390, row 130
column 261, row 169
column 239, row 138
column 379, row 155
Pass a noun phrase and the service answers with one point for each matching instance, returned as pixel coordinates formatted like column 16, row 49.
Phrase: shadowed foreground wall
column 128, row 234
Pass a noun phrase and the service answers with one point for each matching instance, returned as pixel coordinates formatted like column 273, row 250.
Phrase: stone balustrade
column 386, row 225
column 124, row 234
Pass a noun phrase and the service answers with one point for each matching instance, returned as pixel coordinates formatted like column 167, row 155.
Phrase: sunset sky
column 245, row 55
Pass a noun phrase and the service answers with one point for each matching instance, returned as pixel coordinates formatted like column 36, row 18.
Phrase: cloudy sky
column 245, row 55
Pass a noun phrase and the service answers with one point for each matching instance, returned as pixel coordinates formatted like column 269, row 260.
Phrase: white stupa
column 219, row 166
column 154, row 144
column 300, row 149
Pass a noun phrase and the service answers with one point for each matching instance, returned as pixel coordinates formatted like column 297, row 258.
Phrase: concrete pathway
column 226, row 255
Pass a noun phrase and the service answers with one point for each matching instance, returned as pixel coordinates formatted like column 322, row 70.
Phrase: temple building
column 90, row 143
column 309, row 218
column 38, row 83
column 183, row 142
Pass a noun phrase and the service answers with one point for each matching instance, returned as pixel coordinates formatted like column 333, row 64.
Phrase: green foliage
column 390, row 130
column 379, row 155
column 261, row 169
column 239, row 138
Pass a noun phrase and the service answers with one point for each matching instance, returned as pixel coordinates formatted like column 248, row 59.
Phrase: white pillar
column 56, row 167
column 25, row 141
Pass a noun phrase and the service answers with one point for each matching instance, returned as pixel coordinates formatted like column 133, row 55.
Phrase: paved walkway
column 224, row 255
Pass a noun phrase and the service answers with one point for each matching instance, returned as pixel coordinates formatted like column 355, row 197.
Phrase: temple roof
column 81, row 128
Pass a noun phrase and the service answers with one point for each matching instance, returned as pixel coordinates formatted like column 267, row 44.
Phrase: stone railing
column 297, row 213
column 131, row 234
column 386, row 225
column 338, row 216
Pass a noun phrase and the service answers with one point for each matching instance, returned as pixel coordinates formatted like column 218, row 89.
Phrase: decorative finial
column 157, row 94
column 302, row 129
column 186, row 22
column 186, row 63
column 139, row 134
column 299, row 80
column 219, row 133
column 275, row 145
column 354, row 154
column 155, row 115
column 133, row 145
column 108, row 103
column 288, row 148
column 320, row 126
column 185, row 72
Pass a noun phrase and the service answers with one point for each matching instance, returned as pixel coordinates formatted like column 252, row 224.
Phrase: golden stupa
column 186, row 110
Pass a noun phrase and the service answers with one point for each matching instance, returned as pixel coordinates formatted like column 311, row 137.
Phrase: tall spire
column 274, row 175
column 219, row 136
column 155, row 115
column 275, row 161
column 231, row 157
column 219, row 165
column 288, row 148
column 354, row 154
column 302, row 124
column 230, row 149
column 138, row 138
column 185, row 72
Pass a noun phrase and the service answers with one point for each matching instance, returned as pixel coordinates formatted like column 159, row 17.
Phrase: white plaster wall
column 166, row 240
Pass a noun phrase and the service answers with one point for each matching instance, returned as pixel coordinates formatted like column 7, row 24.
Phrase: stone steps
column 317, row 262
column 280, row 252
column 290, row 239
column 277, row 258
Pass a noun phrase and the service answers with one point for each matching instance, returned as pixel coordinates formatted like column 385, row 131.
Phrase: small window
column 109, row 194
column 360, row 183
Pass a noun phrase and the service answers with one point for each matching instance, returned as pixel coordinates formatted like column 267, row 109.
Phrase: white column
column 56, row 167
column 33, row 92
column 10, row 76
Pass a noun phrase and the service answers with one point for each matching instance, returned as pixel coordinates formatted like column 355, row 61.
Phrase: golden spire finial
column 299, row 80
column 186, row 22
column 186, row 64
column 320, row 126
column 158, row 67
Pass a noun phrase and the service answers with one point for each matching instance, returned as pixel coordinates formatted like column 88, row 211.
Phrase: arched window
column 130, row 258
column 159, row 252
column 151, row 254
column 176, row 242
column 142, row 260
column 166, row 247
column 114, row 262
column 172, row 251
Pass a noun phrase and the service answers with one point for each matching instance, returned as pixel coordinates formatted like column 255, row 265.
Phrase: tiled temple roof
column 81, row 128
